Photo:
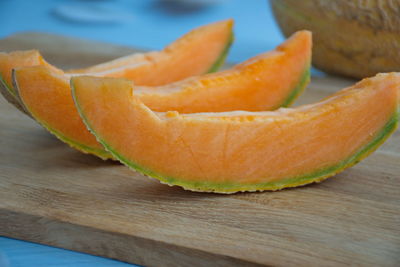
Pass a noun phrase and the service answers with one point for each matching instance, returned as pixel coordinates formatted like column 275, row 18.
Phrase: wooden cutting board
column 52, row 194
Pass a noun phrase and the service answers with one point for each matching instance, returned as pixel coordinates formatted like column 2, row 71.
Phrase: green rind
column 13, row 97
column 316, row 176
column 7, row 86
column 82, row 148
column 9, row 94
column 299, row 88
column 78, row 146
column 221, row 59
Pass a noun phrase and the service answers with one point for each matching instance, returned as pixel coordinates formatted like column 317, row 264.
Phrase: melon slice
column 199, row 51
column 235, row 151
column 9, row 61
column 46, row 95
column 264, row 82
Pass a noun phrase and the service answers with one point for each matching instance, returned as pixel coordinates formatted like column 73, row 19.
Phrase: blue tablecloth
column 141, row 23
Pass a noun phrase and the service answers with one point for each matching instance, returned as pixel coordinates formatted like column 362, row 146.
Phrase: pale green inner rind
column 299, row 88
column 10, row 95
column 99, row 152
column 221, row 59
column 276, row 185
column 230, row 187
column 81, row 147
column 7, row 86
column 6, row 92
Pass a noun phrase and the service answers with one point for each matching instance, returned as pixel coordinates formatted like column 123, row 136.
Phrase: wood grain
column 52, row 194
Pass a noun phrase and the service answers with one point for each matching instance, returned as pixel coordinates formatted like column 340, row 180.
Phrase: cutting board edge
column 99, row 242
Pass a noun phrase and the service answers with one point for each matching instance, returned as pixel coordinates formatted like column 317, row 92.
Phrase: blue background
column 150, row 24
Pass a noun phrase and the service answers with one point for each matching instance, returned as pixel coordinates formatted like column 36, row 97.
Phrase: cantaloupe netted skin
column 352, row 38
column 241, row 151
column 200, row 51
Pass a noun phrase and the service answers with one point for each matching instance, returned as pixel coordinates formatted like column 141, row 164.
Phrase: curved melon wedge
column 264, row 82
column 200, row 51
column 9, row 61
column 46, row 96
column 241, row 151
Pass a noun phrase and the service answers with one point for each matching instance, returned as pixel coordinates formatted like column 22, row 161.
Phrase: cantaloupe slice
column 241, row 151
column 200, row 51
column 9, row 61
column 264, row 82
column 46, row 96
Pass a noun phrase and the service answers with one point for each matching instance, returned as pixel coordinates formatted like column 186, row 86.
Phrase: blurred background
column 146, row 24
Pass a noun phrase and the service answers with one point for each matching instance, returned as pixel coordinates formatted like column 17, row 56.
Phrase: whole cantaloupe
column 355, row 38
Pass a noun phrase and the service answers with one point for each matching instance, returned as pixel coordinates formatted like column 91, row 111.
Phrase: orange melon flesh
column 47, row 97
column 51, row 103
column 252, row 85
column 211, row 43
column 265, row 82
column 17, row 59
column 241, row 151
column 9, row 61
column 200, row 51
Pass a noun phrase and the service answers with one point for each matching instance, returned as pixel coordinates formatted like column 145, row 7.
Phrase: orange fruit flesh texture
column 239, row 150
column 193, row 54
column 205, row 47
column 265, row 82
column 9, row 61
column 47, row 95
